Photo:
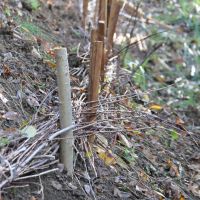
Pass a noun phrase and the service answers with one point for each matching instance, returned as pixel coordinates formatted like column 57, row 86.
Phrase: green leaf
column 29, row 131
column 3, row 141
column 34, row 4
column 139, row 78
column 129, row 155
column 127, row 61
column 7, row 12
column 174, row 135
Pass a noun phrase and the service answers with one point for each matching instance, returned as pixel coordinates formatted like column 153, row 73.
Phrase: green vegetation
column 178, row 58
column 34, row 4
column 32, row 29
column 3, row 141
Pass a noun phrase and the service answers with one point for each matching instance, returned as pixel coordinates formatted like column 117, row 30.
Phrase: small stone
column 87, row 188
column 7, row 56
column 56, row 185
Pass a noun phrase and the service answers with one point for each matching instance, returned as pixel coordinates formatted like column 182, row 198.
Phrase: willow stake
column 64, row 90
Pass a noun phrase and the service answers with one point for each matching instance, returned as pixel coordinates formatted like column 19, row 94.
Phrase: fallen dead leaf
column 179, row 121
column 106, row 155
column 35, row 53
column 173, row 169
column 160, row 78
column 87, row 188
column 11, row 115
column 155, row 107
column 6, row 70
column 50, row 63
column 3, row 99
column 121, row 162
column 73, row 187
column 56, row 185
column 29, row 131
column 102, row 140
column 144, row 176
column 182, row 197
column 160, row 194
column 140, row 189
column 32, row 101
column 33, row 198
column 8, row 131
column 121, row 194
column 128, row 126
column 124, row 140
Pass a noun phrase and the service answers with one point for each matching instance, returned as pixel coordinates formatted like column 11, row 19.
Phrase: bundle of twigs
column 25, row 155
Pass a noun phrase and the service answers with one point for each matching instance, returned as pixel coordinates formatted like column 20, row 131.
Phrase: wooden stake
column 114, row 13
column 94, row 80
column 108, row 10
column 94, row 37
column 101, row 32
column 96, row 12
column 64, row 91
column 85, row 13
column 103, row 6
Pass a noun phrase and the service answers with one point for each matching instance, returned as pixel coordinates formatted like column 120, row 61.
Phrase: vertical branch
column 94, row 37
column 95, row 17
column 85, row 13
column 103, row 5
column 94, row 80
column 64, row 90
column 101, row 30
column 114, row 13
column 101, row 34
column 109, row 3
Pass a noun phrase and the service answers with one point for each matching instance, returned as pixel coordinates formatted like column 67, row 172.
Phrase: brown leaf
column 128, row 126
column 182, row 197
column 8, row 131
column 50, row 63
column 179, row 60
column 179, row 121
column 144, row 176
column 173, row 169
column 33, row 198
column 6, row 70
